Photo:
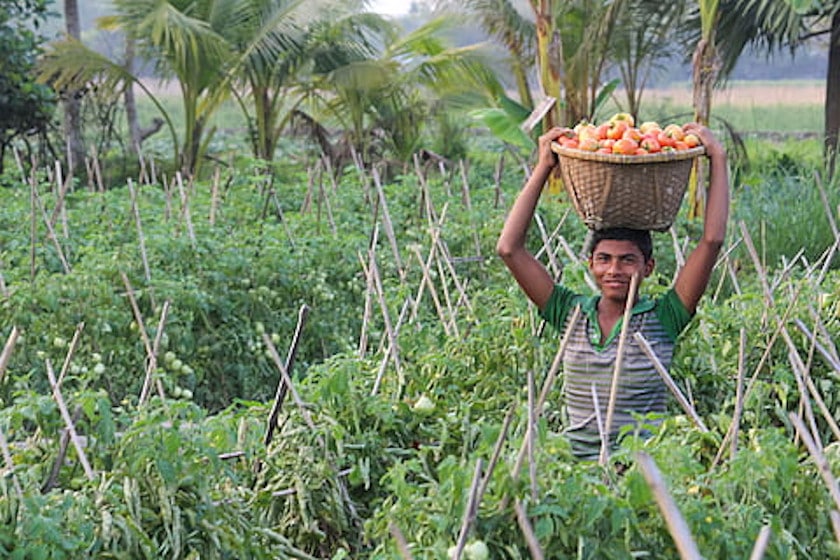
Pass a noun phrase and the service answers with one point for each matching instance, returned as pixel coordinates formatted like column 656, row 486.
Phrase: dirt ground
column 751, row 95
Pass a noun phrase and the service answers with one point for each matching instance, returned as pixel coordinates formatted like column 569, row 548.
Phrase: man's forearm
column 514, row 232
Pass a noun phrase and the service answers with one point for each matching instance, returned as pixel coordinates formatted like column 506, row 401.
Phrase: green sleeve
column 561, row 301
column 672, row 314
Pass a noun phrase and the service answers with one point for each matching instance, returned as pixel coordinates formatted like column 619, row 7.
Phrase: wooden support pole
column 528, row 531
column 68, row 421
column 282, row 387
column 669, row 382
column 677, row 526
column 619, row 362
column 470, row 510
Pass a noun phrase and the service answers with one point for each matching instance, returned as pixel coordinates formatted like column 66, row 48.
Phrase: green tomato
column 424, row 405
column 477, row 550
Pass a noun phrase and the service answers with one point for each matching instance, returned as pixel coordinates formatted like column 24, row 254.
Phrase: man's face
column 613, row 264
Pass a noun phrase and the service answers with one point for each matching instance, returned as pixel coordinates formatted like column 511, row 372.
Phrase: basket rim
column 676, row 155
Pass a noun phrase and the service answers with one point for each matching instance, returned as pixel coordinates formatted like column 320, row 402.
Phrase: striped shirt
column 587, row 362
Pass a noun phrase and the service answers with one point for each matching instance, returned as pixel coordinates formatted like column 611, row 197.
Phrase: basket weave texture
column 632, row 191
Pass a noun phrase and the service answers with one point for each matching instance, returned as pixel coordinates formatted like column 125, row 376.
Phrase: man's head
column 616, row 256
column 639, row 237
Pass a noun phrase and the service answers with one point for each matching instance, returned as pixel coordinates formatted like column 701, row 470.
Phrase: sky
column 390, row 7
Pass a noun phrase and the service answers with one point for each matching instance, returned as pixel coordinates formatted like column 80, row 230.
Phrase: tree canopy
column 25, row 106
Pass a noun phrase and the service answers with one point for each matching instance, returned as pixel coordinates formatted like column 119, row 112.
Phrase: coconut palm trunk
column 705, row 68
column 72, row 104
column 549, row 56
column 832, row 95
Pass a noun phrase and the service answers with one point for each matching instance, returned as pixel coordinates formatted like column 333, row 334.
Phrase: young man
column 615, row 257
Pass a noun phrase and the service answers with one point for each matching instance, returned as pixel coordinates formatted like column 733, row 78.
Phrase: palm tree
column 281, row 45
column 383, row 92
column 501, row 20
column 72, row 104
column 182, row 37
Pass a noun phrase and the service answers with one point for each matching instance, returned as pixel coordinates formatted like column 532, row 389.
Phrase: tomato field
column 334, row 364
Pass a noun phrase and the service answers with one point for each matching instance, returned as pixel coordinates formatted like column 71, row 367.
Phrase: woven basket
column 632, row 191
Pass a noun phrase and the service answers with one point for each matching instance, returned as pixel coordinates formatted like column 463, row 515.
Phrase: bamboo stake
column 58, row 212
column 214, row 196
column 135, row 210
column 51, row 234
column 363, row 176
column 150, row 349
column 425, row 193
column 834, row 517
column 815, row 394
column 97, row 173
column 448, row 323
column 273, row 196
column 4, row 289
column 829, row 357
column 761, row 543
column 555, row 236
column 74, row 437
column 739, row 392
column 599, row 422
column 10, row 464
column 386, row 317
column 669, row 382
column 555, row 267
column 465, row 197
column 497, row 181
column 619, row 359
column 823, row 466
column 470, row 510
column 673, row 518
column 324, row 195
column 19, row 163
column 306, row 205
column 74, row 343
column 150, row 369
column 528, row 532
column 497, row 452
column 33, row 223
column 185, row 208
column 383, row 364
column 389, row 226
column 549, row 382
column 167, row 191
column 530, row 435
column 368, row 307
column 679, row 255
column 445, row 255
column 402, row 545
column 8, row 348
column 287, row 380
column 282, row 388
column 60, row 195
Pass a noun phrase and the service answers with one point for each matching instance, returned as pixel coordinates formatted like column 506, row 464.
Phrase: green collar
column 589, row 306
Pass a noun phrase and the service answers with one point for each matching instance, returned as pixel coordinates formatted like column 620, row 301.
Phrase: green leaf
column 504, row 127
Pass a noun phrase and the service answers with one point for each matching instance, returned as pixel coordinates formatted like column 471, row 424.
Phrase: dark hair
column 640, row 237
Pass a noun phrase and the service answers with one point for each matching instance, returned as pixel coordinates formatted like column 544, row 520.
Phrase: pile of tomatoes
column 620, row 135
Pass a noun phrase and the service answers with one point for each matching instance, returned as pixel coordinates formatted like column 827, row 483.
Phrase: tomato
column 625, row 146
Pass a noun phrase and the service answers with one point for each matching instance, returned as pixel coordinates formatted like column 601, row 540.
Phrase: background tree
column 71, row 99
column 26, row 107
